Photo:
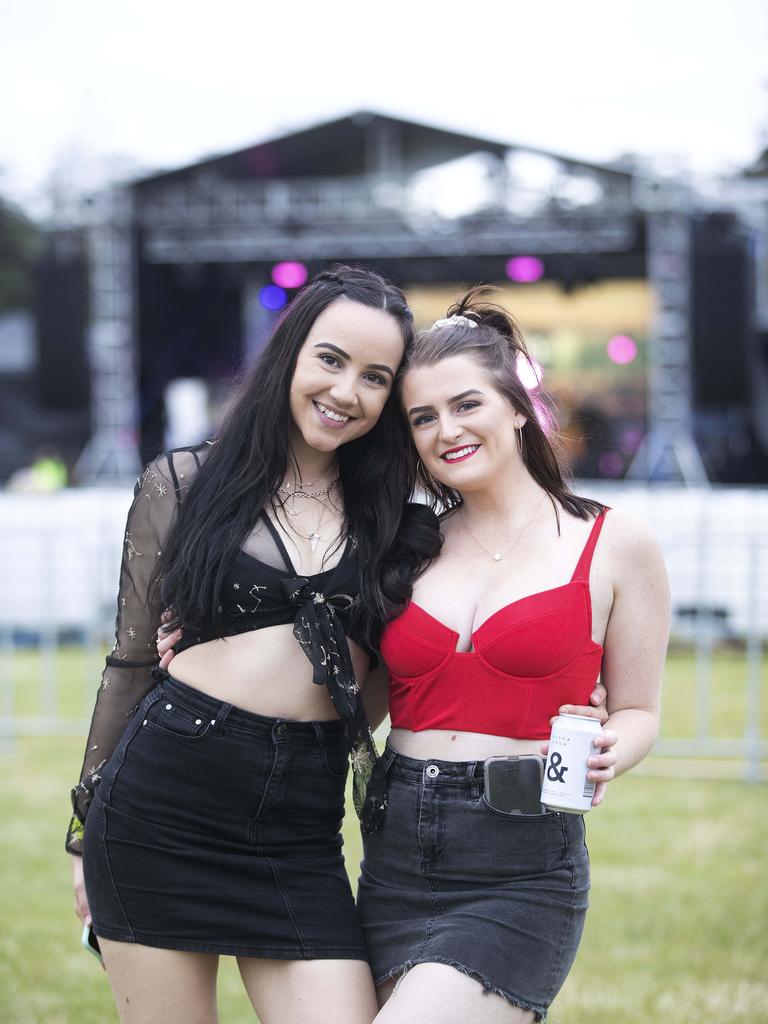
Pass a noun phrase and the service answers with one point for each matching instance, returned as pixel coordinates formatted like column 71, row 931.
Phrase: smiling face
column 344, row 374
column 462, row 425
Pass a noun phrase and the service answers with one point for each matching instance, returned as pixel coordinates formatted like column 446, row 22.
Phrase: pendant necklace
column 315, row 536
column 497, row 556
column 293, row 513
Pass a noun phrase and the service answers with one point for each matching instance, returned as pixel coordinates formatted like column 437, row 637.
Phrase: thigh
column 438, row 994
column 309, row 991
column 161, row 986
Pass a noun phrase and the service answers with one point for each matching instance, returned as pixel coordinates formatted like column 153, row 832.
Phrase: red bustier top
column 527, row 659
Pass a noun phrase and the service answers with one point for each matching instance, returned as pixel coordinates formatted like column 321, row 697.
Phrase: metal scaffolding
column 111, row 455
column 201, row 215
column 669, row 451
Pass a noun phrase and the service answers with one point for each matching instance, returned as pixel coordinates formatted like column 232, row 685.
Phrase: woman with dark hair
column 473, row 906
column 210, row 801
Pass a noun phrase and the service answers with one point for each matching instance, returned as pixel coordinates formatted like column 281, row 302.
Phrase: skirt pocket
column 173, row 717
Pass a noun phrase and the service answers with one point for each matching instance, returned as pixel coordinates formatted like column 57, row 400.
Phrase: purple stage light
column 611, row 464
column 629, row 440
column 289, row 274
column 524, row 269
column 622, row 349
column 272, row 297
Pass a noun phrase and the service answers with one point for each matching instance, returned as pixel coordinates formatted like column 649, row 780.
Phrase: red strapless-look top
column 528, row 658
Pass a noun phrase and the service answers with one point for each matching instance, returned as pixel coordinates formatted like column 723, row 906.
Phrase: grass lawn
column 676, row 932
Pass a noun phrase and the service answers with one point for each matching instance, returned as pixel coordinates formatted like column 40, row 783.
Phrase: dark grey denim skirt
column 447, row 879
column 216, row 830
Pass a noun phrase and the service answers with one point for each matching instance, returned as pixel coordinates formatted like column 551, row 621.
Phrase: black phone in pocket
column 513, row 783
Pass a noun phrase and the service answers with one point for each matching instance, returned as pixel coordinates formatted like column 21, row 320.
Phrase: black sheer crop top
column 262, row 588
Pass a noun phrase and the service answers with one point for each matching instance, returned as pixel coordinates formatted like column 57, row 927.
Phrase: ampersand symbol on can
column 552, row 771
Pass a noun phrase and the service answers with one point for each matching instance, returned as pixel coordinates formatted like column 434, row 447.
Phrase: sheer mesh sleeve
column 127, row 677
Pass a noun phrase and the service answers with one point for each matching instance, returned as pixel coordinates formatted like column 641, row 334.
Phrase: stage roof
column 349, row 145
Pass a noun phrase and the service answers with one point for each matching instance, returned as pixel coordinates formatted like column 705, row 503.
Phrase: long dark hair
column 497, row 343
column 248, row 462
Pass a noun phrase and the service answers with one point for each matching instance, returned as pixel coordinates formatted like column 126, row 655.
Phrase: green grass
column 676, row 932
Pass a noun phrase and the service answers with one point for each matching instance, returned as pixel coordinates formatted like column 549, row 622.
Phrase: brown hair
column 496, row 343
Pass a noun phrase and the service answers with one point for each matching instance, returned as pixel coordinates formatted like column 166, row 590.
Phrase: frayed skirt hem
column 399, row 971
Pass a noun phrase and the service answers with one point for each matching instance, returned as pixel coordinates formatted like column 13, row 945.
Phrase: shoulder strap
column 175, row 478
column 581, row 572
column 193, row 451
column 278, row 541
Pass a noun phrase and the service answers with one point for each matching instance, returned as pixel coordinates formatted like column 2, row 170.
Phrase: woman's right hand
column 166, row 640
column 81, row 899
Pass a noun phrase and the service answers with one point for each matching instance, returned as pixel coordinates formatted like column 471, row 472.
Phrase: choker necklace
column 293, row 492
column 498, row 555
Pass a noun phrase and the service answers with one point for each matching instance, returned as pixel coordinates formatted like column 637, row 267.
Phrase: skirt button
column 432, row 771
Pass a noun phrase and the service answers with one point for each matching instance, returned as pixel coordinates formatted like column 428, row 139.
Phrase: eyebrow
column 345, row 355
column 456, row 398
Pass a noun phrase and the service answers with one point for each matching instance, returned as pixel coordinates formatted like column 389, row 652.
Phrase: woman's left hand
column 600, row 765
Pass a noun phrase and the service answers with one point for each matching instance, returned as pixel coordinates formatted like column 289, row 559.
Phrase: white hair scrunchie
column 457, row 320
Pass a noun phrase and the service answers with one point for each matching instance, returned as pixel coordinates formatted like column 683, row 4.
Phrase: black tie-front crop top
column 256, row 594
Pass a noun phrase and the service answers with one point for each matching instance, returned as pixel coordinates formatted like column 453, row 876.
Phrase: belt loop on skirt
column 319, row 734
column 474, row 785
column 220, row 719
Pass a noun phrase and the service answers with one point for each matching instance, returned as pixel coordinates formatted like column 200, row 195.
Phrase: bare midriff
column 453, row 745
column 263, row 671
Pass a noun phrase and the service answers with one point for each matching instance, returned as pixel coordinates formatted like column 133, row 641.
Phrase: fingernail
column 88, row 920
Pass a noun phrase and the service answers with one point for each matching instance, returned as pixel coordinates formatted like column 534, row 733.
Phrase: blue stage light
column 272, row 297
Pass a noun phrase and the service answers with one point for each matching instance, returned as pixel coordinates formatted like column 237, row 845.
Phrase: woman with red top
column 472, row 913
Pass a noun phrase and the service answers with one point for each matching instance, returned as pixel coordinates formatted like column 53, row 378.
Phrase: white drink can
column 566, row 787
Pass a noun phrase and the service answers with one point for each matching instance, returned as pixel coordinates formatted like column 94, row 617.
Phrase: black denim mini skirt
column 447, row 879
column 218, row 831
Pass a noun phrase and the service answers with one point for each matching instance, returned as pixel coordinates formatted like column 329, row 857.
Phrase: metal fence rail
column 60, row 557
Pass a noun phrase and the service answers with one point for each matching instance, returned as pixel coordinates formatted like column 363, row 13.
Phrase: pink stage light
column 272, row 297
column 622, row 349
column 529, row 372
column 524, row 269
column 629, row 440
column 289, row 275
column 611, row 464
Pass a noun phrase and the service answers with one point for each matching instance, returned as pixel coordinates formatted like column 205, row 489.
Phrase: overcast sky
column 163, row 82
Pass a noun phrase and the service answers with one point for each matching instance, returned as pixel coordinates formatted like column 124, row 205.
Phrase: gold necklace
column 497, row 556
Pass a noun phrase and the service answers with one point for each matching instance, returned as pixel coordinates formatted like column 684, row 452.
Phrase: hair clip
column 457, row 320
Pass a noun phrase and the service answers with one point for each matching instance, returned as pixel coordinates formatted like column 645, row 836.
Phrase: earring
column 520, row 446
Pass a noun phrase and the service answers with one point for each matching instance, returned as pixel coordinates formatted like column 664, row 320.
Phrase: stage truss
column 207, row 219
